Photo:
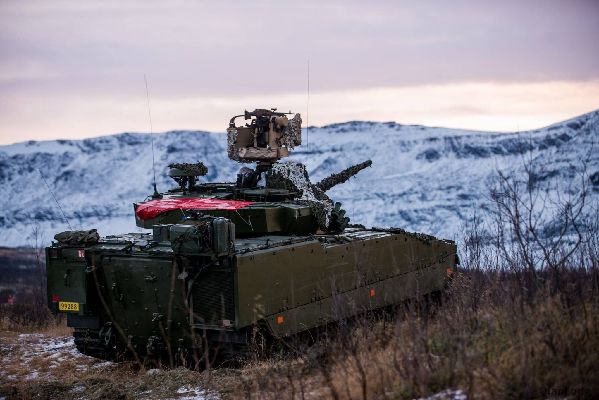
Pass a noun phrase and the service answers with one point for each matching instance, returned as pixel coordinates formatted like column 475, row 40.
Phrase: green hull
column 141, row 299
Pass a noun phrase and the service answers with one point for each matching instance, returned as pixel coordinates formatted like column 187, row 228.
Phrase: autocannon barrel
column 340, row 177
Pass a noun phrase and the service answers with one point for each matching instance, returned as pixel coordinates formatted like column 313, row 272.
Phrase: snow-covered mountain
column 423, row 179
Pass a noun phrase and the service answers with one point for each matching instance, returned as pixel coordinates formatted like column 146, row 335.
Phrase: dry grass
column 496, row 334
column 43, row 366
column 30, row 317
column 489, row 338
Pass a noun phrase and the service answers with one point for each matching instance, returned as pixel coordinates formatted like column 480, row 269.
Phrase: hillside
column 425, row 179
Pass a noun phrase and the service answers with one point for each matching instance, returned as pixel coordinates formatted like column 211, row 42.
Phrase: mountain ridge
column 427, row 179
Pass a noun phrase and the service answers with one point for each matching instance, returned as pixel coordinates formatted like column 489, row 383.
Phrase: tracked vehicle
column 270, row 252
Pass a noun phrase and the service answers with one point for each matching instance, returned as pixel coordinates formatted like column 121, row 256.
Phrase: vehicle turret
column 286, row 203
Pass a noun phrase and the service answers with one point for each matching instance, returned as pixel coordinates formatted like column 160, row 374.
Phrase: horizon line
column 304, row 128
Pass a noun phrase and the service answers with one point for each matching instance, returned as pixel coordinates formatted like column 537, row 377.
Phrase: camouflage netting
column 190, row 169
column 293, row 133
column 78, row 237
column 288, row 175
column 293, row 176
column 231, row 149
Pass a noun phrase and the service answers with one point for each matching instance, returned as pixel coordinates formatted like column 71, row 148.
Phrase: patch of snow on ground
column 35, row 356
column 195, row 393
column 447, row 394
column 33, row 375
column 78, row 389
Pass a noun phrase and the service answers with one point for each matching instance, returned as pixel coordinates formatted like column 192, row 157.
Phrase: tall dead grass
column 488, row 338
column 30, row 318
column 30, row 312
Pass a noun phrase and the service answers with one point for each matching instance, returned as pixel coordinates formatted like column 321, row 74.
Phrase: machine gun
column 258, row 113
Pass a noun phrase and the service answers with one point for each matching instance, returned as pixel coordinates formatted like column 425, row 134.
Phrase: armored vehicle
column 269, row 253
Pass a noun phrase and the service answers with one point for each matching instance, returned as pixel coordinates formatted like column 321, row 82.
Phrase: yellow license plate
column 68, row 306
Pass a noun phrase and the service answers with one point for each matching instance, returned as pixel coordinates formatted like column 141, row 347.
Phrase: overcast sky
column 73, row 69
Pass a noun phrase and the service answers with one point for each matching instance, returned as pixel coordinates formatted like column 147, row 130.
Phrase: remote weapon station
column 268, row 253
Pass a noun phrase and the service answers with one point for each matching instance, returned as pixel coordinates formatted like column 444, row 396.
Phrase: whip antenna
column 156, row 194
column 55, row 199
column 308, row 110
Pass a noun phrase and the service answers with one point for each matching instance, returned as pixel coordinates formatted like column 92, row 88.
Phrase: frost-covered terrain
column 423, row 179
column 41, row 365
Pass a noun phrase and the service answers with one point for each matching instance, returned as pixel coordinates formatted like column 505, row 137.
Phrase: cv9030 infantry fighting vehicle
column 225, row 260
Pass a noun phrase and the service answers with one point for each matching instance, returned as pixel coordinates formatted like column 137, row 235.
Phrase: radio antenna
column 308, row 110
column 156, row 195
column 55, row 199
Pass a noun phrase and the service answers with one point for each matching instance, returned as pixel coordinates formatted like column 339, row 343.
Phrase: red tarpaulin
column 153, row 208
